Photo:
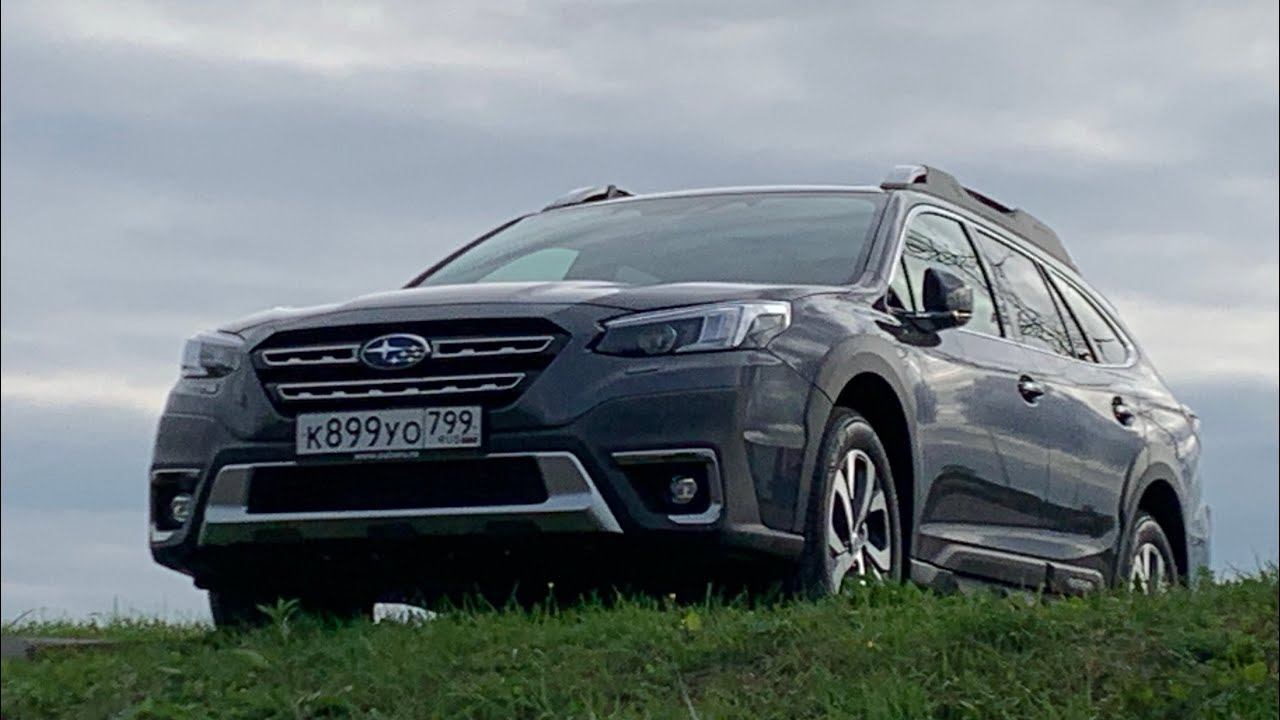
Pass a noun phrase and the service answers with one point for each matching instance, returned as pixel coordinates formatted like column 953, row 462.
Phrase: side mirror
column 948, row 302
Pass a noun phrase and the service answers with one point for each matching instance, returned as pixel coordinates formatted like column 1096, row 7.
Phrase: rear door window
column 1025, row 302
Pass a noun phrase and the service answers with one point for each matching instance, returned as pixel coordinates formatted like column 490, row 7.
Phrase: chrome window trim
column 1130, row 354
column 1045, row 261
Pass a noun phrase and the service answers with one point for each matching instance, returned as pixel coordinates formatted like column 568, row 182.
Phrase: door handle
column 1030, row 389
column 1122, row 411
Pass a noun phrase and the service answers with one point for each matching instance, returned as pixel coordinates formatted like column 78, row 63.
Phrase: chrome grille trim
column 489, row 346
column 397, row 388
column 349, row 353
column 345, row 354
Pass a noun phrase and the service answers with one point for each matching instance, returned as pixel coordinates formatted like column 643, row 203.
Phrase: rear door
column 1089, row 447
column 1101, row 412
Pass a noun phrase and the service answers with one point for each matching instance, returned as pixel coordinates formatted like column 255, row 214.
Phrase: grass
column 883, row 652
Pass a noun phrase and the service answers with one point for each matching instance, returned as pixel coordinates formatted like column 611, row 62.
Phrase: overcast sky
column 168, row 166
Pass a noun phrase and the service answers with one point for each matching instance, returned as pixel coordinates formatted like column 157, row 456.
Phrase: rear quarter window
column 1103, row 338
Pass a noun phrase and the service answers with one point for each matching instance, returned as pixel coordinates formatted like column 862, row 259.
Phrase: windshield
column 785, row 238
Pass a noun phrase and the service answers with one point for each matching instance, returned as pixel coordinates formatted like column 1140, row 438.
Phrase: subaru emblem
column 392, row 352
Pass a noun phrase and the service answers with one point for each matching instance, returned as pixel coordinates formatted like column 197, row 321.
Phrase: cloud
column 1190, row 342
column 168, row 166
column 102, row 390
column 328, row 39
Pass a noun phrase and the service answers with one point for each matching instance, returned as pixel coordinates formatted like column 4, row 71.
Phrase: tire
column 237, row 608
column 1149, row 564
column 838, row 547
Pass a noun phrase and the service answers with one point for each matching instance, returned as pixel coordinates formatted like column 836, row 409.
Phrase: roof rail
column 933, row 181
column 589, row 194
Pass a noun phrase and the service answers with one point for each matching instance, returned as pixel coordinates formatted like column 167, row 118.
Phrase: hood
column 600, row 294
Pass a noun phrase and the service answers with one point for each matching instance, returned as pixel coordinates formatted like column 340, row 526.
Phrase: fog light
column 683, row 489
column 180, row 508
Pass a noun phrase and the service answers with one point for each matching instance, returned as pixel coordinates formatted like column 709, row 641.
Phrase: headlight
column 211, row 355
column 695, row 329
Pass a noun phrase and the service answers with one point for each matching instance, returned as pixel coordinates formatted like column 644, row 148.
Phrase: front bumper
column 745, row 417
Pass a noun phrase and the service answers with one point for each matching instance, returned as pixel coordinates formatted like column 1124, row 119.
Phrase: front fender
column 833, row 342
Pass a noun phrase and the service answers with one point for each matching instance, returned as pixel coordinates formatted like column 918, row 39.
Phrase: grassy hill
column 885, row 652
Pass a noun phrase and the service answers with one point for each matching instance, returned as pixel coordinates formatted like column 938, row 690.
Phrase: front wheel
column 854, row 530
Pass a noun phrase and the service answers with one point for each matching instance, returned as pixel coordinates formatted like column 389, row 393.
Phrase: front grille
column 481, row 362
column 396, row 486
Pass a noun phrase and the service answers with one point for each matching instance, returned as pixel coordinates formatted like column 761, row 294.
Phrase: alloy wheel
column 859, row 538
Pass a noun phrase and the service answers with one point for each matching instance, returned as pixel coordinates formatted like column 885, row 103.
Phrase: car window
column 899, row 296
column 1080, row 348
column 940, row 242
column 1101, row 335
column 1025, row 301
column 785, row 238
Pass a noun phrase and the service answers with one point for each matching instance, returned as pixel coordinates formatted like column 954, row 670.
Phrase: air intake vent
column 396, row 486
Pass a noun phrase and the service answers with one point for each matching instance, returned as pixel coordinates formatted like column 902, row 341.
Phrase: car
column 822, row 385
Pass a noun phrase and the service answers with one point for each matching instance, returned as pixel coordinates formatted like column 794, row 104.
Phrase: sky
column 170, row 166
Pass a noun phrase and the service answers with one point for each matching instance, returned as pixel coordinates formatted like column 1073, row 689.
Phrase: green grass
column 884, row 652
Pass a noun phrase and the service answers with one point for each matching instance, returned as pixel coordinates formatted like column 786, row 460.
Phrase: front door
column 983, row 440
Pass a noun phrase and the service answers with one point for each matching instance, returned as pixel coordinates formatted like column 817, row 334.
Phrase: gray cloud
column 168, row 166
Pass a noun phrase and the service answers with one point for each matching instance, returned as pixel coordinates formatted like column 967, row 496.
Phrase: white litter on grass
column 401, row 613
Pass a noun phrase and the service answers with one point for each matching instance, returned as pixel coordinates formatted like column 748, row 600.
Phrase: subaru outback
column 823, row 384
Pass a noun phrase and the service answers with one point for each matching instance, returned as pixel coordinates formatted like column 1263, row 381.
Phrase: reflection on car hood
column 602, row 294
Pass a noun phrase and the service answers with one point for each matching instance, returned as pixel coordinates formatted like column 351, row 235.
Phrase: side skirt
column 993, row 569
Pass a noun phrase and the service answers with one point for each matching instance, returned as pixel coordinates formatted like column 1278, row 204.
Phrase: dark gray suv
column 807, row 383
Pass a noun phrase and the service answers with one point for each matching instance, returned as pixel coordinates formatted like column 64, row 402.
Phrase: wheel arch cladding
column 1161, row 502
column 873, row 397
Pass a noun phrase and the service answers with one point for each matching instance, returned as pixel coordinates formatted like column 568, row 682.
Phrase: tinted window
column 782, row 238
column 1102, row 337
column 940, row 242
column 1025, row 301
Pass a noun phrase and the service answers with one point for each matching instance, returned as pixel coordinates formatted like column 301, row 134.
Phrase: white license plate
column 375, row 431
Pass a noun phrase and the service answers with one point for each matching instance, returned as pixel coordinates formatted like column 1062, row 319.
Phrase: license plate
column 378, row 431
